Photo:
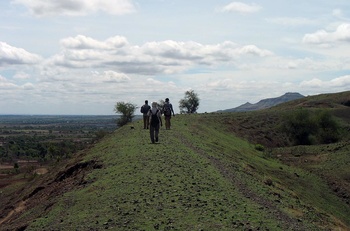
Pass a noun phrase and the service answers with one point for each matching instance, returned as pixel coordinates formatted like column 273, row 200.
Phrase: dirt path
column 287, row 222
column 19, row 208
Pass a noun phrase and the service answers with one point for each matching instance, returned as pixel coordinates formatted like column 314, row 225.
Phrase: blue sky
column 81, row 57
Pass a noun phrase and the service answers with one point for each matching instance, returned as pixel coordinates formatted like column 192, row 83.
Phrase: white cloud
column 21, row 75
column 10, row 55
column 322, row 37
column 342, row 82
column 254, row 50
column 313, row 83
column 83, row 42
column 2, row 79
column 164, row 57
column 241, row 7
column 113, row 77
column 28, row 86
column 154, row 83
column 167, row 49
column 221, row 84
column 96, row 72
column 339, row 14
column 77, row 7
column 6, row 85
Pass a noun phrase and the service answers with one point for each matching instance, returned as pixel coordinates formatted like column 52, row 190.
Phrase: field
column 26, row 142
column 230, row 171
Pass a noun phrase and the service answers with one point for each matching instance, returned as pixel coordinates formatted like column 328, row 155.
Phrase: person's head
column 167, row 100
column 154, row 104
column 146, row 101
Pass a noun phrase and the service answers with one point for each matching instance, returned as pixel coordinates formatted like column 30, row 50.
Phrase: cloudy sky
column 81, row 57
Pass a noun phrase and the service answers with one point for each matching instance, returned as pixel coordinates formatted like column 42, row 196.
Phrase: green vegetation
column 126, row 110
column 231, row 171
column 46, row 138
column 308, row 127
column 190, row 103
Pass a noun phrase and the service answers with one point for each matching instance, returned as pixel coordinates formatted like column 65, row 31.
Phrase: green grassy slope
column 199, row 177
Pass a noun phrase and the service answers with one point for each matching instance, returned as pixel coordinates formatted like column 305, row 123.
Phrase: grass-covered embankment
column 199, row 177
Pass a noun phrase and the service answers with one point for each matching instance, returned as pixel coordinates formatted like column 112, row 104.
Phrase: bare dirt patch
column 43, row 192
column 19, row 208
column 41, row 171
column 5, row 166
column 9, row 175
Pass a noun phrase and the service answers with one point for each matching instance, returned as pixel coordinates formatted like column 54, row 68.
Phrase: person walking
column 155, row 122
column 168, row 110
column 144, row 110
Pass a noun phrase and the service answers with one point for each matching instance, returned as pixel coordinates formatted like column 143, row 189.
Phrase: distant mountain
column 265, row 103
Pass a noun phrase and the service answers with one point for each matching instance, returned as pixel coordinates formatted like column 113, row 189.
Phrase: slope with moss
column 198, row 177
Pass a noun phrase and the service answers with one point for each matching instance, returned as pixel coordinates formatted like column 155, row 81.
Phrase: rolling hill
column 218, row 171
column 265, row 103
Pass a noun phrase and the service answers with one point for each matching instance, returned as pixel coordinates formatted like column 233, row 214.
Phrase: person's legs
column 157, row 132
column 147, row 122
column 151, row 132
column 167, row 122
column 144, row 121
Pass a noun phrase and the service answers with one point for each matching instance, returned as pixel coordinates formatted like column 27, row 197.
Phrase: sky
column 82, row 57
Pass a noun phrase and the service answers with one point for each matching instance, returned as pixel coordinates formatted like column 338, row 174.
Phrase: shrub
column 122, row 121
column 259, row 147
column 328, row 131
column 306, row 127
column 100, row 134
column 300, row 126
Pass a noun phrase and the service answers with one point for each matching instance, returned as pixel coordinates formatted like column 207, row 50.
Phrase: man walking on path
column 144, row 110
column 168, row 110
column 155, row 121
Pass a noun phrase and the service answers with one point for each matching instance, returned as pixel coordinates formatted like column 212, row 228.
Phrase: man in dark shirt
column 144, row 110
column 168, row 110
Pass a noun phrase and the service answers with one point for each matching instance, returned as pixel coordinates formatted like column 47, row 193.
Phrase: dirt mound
column 43, row 193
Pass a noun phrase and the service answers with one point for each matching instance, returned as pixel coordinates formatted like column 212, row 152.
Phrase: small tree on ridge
column 127, row 110
column 190, row 103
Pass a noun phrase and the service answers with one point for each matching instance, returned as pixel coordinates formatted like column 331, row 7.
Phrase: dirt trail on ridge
column 286, row 221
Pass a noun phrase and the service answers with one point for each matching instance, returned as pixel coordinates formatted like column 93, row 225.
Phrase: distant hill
column 265, row 103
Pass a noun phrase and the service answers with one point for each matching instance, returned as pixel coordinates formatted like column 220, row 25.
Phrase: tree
column 127, row 110
column 190, row 103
